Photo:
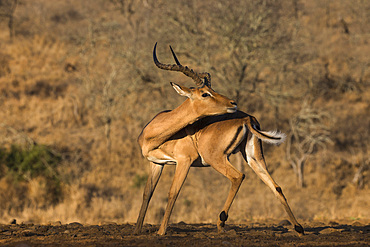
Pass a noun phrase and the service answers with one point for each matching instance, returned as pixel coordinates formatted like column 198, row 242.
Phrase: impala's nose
column 232, row 109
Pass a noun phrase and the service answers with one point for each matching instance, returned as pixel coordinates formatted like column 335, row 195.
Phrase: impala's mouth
column 232, row 109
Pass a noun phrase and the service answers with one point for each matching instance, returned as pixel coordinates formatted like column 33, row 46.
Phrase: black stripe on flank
column 234, row 139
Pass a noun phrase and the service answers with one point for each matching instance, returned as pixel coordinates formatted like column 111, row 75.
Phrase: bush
column 26, row 165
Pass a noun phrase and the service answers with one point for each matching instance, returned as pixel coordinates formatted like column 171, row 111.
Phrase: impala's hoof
column 299, row 229
column 223, row 216
column 161, row 232
column 137, row 231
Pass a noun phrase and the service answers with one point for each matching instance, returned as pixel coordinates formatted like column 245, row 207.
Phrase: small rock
column 27, row 224
column 284, row 223
column 8, row 233
column 226, row 243
column 328, row 230
column 52, row 231
column 356, row 223
column 74, row 225
column 28, row 233
column 23, row 245
column 55, row 223
column 82, row 234
column 107, row 223
column 232, row 232
column 13, row 222
column 277, row 235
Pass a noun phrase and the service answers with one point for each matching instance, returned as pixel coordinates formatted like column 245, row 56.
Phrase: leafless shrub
column 11, row 136
column 362, row 162
column 309, row 133
column 7, row 8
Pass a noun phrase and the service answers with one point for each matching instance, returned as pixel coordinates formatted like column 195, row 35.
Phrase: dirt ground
column 181, row 234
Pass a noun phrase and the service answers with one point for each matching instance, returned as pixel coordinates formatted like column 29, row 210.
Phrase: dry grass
column 78, row 77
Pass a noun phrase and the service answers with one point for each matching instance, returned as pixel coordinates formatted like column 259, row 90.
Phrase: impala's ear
column 183, row 91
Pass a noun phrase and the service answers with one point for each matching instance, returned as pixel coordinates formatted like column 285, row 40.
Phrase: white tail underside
column 273, row 137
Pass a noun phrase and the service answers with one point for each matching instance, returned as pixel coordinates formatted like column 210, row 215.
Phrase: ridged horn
column 197, row 77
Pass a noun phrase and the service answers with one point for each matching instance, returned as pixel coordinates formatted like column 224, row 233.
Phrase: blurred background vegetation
column 77, row 85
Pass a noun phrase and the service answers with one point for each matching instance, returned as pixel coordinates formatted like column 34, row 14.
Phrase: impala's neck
column 165, row 125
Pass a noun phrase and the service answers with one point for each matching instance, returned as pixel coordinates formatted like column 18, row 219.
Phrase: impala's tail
column 273, row 137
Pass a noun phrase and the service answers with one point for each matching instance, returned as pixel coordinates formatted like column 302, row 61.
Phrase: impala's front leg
column 182, row 170
column 154, row 175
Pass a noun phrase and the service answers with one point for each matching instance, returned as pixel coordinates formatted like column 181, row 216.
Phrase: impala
column 204, row 131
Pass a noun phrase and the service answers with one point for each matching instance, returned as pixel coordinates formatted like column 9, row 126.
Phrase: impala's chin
column 232, row 109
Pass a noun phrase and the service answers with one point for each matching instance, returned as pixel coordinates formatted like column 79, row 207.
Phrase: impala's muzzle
column 232, row 109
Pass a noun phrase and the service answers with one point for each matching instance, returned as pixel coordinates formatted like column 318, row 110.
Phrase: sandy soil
column 182, row 234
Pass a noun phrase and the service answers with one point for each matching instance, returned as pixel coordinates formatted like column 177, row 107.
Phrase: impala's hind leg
column 223, row 166
column 254, row 157
column 154, row 175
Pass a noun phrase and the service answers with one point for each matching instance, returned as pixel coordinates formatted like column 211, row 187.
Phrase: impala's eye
column 206, row 95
